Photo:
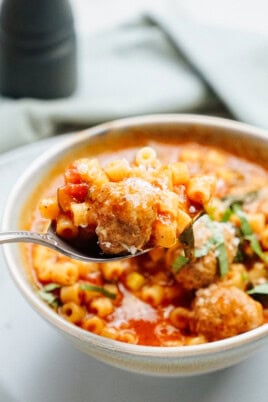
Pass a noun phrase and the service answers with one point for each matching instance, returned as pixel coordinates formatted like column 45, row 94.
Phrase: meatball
column 125, row 215
column 220, row 312
column 204, row 270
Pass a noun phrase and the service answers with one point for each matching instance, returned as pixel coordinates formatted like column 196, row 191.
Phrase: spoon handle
column 45, row 239
column 49, row 239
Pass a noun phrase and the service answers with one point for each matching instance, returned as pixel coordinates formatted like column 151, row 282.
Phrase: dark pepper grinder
column 37, row 49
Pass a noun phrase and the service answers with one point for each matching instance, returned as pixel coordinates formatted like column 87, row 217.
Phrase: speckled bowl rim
column 51, row 155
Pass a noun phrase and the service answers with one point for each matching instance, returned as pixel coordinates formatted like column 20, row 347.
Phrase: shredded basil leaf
column 239, row 257
column 201, row 252
column 245, row 225
column 240, row 199
column 222, row 258
column 50, row 287
column 46, row 294
column 217, row 239
column 227, row 214
column 99, row 289
column 256, row 247
column 244, row 276
column 248, row 233
column 246, row 229
column 179, row 263
column 186, row 239
column 259, row 289
column 210, row 210
column 48, row 297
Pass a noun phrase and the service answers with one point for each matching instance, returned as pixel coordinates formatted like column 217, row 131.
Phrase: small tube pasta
column 152, row 294
column 102, row 306
column 168, row 204
column 111, row 333
column 147, row 157
column 91, row 171
column 195, row 340
column 43, row 261
column 257, row 222
column 65, row 227
column 71, row 293
column 165, row 235
column 183, row 220
column 112, row 270
column 180, row 173
column 117, row 170
column 127, row 336
column 72, row 312
column 83, row 214
column 94, row 324
column 135, row 280
column 49, row 208
column 64, row 272
column 44, row 271
column 200, row 189
column 180, row 317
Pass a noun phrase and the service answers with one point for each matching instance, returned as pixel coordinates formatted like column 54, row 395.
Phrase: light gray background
column 38, row 365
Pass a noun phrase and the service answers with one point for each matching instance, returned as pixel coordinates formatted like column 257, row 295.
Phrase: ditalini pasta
column 140, row 196
column 129, row 206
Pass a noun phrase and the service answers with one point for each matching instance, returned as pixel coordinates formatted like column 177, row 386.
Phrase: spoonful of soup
column 122, row 209
column 50, row 239
column 90, row 251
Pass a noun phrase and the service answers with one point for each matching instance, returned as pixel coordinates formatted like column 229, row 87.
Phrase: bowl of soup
column 194, row 191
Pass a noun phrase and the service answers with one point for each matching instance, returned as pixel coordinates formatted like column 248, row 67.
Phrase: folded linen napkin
column 157, row 63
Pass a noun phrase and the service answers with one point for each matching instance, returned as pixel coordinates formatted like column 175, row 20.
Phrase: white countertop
column 38, row 365
column 97, row 15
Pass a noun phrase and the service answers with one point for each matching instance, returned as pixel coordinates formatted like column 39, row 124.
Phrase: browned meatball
column 125, row 215
column 204, row 270
column 220, row 312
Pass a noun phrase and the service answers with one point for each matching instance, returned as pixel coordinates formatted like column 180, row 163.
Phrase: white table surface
column 38, row 365
column 98, row 15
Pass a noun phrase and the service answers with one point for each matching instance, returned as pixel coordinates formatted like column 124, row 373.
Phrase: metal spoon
column 92, row 253
column 50, row 239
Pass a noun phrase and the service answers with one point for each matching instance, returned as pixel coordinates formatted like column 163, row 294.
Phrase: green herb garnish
column 50, row 287
column 259, row 289
column 245, row 225
column 235, row 207
column 201, row 252
column 256, row 247
column 179, row 263
column 46, row 294
column 186, row 239
column 230, row 200
column 222, row 258
column 99, row 289
column 217, row 239
column 227, row 215
column 248, row 234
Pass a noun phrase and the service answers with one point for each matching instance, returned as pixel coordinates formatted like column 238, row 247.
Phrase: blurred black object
column 37, row 49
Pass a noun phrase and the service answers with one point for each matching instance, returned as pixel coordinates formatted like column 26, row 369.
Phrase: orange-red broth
column 137, row 318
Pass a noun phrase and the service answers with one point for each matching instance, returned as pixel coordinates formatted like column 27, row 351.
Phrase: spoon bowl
column 50, row 239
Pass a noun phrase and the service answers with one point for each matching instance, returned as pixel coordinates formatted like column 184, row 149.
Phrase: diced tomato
column 71, row 175
column 95, row 278
column 71, row 193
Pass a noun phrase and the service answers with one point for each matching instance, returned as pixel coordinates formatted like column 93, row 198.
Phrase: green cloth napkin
column 155, row 64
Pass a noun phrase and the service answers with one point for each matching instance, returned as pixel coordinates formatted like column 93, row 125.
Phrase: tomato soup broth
column 163, row 298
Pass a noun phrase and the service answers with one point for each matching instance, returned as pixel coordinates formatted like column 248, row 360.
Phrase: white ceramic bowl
column 246, row 141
